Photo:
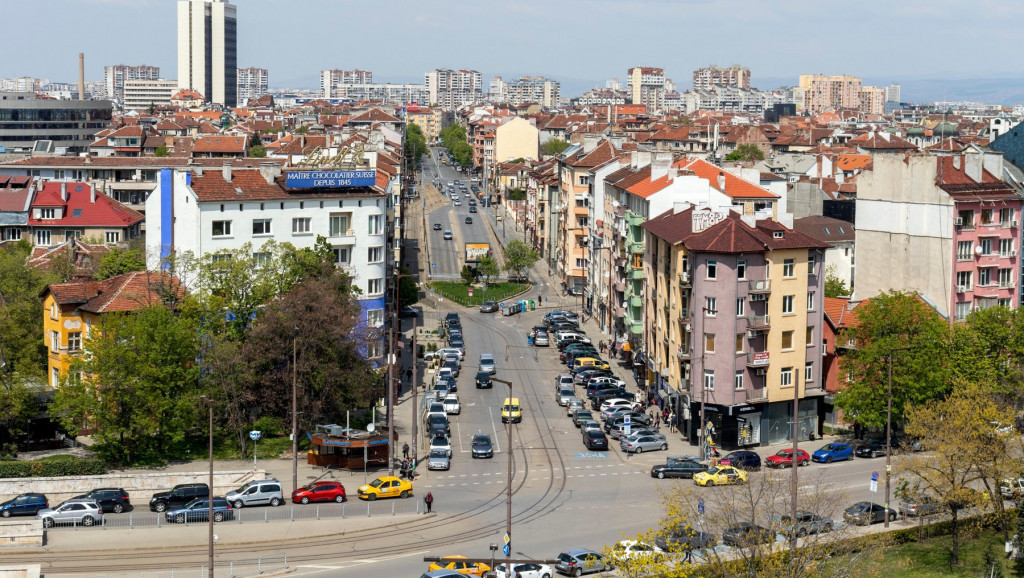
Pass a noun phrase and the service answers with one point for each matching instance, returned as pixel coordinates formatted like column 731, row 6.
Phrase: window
column 812, row 260
column 787, row 268
column 810, row 300
column 709, row 379
column 47, row 213
column 54, row 341
column 739, row 343
column 786, row 377
column 741, row 269
column 54, row 311
column 965, row 219
column 374, row 350
column 375, row 317
column 1005, row 277
column 376, row 224
column 787, row 340
column 300, row 225
column 963, row 281
column 339, row 225
column 375, row 255
column 55, row 377
column 1005, row 247
column 809, row 371
column 261, row 226
column 963, row 309
column 709, row 343
column 43, row 237
column 711, row 270
column 737, row 381
column 10, row 234
column 965, row 250
column 1004, row 302
column 787, row 304
column 741, row 306
column 262, row 259
column 75, row 341
column 1006, row 217
column 986, row 245
column 984, row 277
column 710, row 306
column 375, row 286
column 340, row 255
column 222, row 228
column 809, row 337
column 113, row 237
column 986, row 216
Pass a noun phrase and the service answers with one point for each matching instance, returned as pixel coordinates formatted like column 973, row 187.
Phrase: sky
column 581, row 43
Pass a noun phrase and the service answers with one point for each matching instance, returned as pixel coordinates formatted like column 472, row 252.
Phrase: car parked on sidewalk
column 581, row 561
column 178, row 496
column 806, row 523
column 529, row 570
column 565, row 394
column 867, row 513
column 636, row 550
column 24, row 505
column 109, row 499
column 637, row 444
column 921, row 506
column 681, row 539
column 198, row 510
column 74, row 512
column 784, row 459
column 745, row 535
column 572, row 406
column 256, row 493
column 541, row 339
column 322, row 491
column 833, row 452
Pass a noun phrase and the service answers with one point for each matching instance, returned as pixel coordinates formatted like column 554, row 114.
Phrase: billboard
column 315, row 179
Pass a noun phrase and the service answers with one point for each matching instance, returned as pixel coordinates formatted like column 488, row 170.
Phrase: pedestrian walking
column 405, row 450
column 672, row 421
column 688, row 557
column 657, row 419
column 429, row 501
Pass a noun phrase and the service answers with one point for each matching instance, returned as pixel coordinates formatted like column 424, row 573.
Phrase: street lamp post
column 508, row 490
column 209, row 404
column 295, row 413
column 888, row 434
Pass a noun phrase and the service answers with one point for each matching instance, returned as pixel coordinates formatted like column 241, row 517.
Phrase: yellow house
column 73, row 310
column 516, row 139
column 430, row 120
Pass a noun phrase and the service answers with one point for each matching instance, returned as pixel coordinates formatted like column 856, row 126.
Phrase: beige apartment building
column 822, row 93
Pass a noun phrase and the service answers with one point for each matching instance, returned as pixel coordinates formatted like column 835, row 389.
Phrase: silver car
column 573, row 405
column 644, row 442
column 487, row 363
column 541, row 339
column 441, row 444
column 565, row 395
column 438, row 460
column 72, row 512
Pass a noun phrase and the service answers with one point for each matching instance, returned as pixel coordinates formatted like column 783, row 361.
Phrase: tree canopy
column 746, row 152
column 119, row 260
column 415, row 142
column 519, row 257
column 553, row 146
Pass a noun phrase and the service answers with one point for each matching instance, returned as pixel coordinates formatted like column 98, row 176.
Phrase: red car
column 320, row 492
column 784, row 459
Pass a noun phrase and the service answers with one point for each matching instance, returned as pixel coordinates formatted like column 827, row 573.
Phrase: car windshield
column 481, row 441
column 438, row 454
column 513, row 407
column 243, row 488
column 715, row 470
column 828, row 448
column 377, row 483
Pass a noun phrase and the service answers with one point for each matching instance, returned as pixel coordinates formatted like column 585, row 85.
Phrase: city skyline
column 455, row 35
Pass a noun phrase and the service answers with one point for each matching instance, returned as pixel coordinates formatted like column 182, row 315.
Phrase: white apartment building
column 498, row 90
column 646, row 86
column 537, row 89
column 252, row 83
column 398, row 94
column 141, row 94
column 332, row 81
column 208, row 49
column 451, row 89
column 115, row 76
column 735, row 76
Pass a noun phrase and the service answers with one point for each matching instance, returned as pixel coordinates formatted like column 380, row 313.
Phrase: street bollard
column 392, row 508
column 231, row 568
column 343, row 510
column 130, row 522
column 285, row 560
column 266, row 515
column 292, row 515
column 259, row 565
column 318, row 512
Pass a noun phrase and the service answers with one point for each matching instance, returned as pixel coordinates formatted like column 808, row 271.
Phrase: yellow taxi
column 590, row 362
column 720, row 476
column 511, row 410
column 459, row 564
column 385, row 487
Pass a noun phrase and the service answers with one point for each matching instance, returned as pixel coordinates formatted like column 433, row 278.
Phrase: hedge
column 55, row 466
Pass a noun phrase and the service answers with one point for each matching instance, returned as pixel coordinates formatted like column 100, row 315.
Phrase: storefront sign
column 330, row 179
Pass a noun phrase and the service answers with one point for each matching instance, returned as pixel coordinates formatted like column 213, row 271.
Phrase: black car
column 199, row 511
column 451, row 318
column 469, row 220
column 595, row 440
column 472, row 209
column 483, row 380
column 605, row 392
column 437, row 226
column 742, row 459
column 109, row 499
column 745, row 534
column 874, row 448
column 24, row 505
column 636, row 419
column 482, row 446
column 453, row 366
column 682, row 539
column 178, row 496
column 407, row 311
column 438, row 423
column 677, row 469
column 457, row 343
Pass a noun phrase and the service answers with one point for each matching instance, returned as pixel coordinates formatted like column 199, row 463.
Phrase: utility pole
column 508, row 490
column 888, row 434
column 295, row 413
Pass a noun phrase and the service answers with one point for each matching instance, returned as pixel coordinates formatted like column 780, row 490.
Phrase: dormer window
column 777, row 234
column 47, row 213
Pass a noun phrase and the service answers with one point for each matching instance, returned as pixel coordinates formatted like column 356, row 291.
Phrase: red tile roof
column 735, row 187
column 81, row 210
column 220, row 144
column 250, row 185
column 127, row 292
column 732, row 235
column 647, row 187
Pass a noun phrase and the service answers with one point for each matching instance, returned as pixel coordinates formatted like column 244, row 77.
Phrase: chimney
column 956, row 162
column 660, row 164
column 973, row 165
column 994, row 164
column 721, row 181
column 92, row 195
column 81, row 76
column 64, row 191
column 226, row 171
column 270, row 171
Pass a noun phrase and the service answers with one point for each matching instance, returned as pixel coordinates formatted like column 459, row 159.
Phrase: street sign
column 433, row 264
column 470, row 291
column 507, row 538
column 874, row 486
column 255, row 435
column 874, row 476
column 506, row 550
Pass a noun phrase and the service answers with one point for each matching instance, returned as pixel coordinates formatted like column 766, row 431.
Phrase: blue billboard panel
column 330, row 179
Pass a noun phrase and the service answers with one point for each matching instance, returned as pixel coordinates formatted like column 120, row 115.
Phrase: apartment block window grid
column 710, row 306
column 375, row 317
column 738, row 380
column 261, row 226
column 809, row 371
column 964, row 250
column 741, row 306
column 339, row 225
column 341, row 255
column 375, row 255
column 711, row 270
column 375, row 224
column 221, row 228
column 375, row 286
column 709, row 379
column 1005, row 247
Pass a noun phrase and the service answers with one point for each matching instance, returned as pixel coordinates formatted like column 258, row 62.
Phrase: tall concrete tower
column 208, row 49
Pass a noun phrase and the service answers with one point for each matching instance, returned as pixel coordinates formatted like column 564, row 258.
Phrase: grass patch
column 456, row 291
column 930, row 558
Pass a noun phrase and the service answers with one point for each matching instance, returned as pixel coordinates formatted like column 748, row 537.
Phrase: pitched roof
column 853, row 162
column 648, row 187
column 671, row 227
column 732, row 235
column 127, row 292
column 374, row 115
column 220, row 144
column 251, row 185
column 734, row 186
column 81, row 209
column 838, row 311
column 825, row 229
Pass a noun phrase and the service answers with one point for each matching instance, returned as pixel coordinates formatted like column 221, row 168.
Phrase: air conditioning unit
column 761, row 371
column 959, row 222
column 758, row 297
column 1013, row 253
column 1013, row 224
column 687, row 327
column 961, row 288
column 751, row 334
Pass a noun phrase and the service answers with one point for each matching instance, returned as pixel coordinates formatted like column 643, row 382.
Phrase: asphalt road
column 447, row 257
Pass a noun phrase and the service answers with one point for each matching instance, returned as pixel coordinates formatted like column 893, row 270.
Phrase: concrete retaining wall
column 140, row 486
column 21, row 533
column 20, row 570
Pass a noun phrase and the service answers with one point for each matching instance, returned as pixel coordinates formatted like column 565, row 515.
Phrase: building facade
column 331, row 81
column 646, row 86
column 69, row 124
column 735, row 76
column 208, row 49
column 252, row 83
column 529, row 89
column 114, row 77
column 450, row 89
column 821, row 93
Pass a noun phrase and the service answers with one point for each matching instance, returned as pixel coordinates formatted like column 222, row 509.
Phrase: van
column 255, row 493
column 511, row 410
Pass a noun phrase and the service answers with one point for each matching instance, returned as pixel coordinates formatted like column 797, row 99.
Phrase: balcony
column 636, row 301
column 759, row 322
column 1008, row 224
column 684, row 352
column 757, row 359
column 759, row 286
column 637, row 273
column 684, row 279
column 636, row 247
column 685, row 316
column 986, row 290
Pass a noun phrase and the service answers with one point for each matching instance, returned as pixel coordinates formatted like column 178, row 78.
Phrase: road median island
column 457, row 292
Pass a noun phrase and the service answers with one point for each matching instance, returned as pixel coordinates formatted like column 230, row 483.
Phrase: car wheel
column 339, row 498
column 661, row 475
column 803, row 463
column 180, row 519
column 827, row 528
column 892, row 517
column 874, row 454
column 578, row 572
column 404, row 494
column 305, row 499
column 664, row 447
column 88, row 521
column 639, row 450
column 828, row 460
column 47, row 522
column 118, row 508
column 545, row 576
column 238, row 505
column 275, row 502
column 6, row 513
column 218, row 516
column 801, row 533
column 160, row 506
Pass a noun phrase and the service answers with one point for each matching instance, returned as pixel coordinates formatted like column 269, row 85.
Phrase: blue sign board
column 874, row 476
column 506, row 550
column 329, row 179
column 700, row 505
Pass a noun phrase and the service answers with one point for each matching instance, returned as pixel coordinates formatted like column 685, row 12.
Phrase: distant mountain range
column 1002, row 91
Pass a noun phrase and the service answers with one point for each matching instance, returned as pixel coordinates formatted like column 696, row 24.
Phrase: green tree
column 519, row 257
column 408, row 291
column 415, row 142
column 468, row 274
column 487, row 267
column 138, row 388
column 21, row 316
column 553, row 147
column 301, row 129
column 120, row 260
column 834, row 286
column 255, row 140
column 18, row 401
column 516, row 194
column 746, row 152
column 888, row 323
column 258, row 152
column 161, row 151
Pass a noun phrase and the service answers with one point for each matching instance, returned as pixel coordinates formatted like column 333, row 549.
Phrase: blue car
column 833, row 452
column 24, row 505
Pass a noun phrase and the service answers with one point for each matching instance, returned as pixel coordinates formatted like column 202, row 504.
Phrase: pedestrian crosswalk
column 541, row 474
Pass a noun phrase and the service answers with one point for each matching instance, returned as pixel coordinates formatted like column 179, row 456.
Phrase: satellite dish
column 371, row 427
column 978, row 250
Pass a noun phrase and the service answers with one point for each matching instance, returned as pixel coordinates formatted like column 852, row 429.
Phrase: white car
column 446, row 350
column 606, row 380
column 436, row 407
column 524, row 571
column 634, row 550
column 441, row 443
column 452, row 405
